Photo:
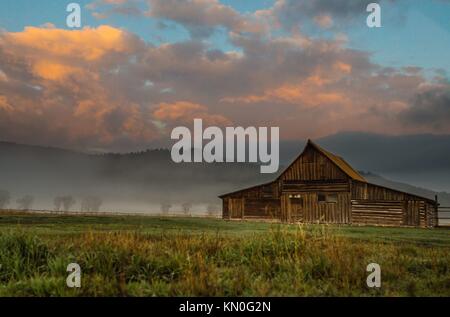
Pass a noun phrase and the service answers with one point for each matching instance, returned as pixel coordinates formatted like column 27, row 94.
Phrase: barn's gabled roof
column 336, row 160
column 339, row 162
column 244, row 189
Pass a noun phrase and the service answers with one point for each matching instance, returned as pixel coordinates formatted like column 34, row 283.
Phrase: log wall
column 377, row 205
column 256, row 202
column 377, row 212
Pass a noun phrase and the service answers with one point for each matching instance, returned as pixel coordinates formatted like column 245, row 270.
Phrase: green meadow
column 168, row 256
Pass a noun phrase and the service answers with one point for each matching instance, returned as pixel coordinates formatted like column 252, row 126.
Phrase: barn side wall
column 261, row 202
column 377, row 205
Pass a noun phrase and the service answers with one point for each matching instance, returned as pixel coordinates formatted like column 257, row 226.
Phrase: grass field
column 155, row 256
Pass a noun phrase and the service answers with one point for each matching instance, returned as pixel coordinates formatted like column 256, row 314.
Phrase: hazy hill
column 141, row 181
column 132, row 181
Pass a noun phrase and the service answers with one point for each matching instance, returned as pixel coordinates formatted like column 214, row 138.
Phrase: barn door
column 412, row 214
column 296, row 205
column 236, row 208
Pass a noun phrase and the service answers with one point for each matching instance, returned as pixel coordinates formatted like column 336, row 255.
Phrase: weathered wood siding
column 373, row 204
column 257, row 202
column 374, row 192
column 225, row 212
column 313, row 165
column 306, row 208
column 295, row 186
column 236, row 207
column 262, row 208
column 310, row 175
column 387, row 212
column 326, row 212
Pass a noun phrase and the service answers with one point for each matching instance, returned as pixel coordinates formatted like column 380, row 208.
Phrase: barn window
column 332, row 198
column 321, row 198
column 267, row 191
column 296, row 199
column 327, row 198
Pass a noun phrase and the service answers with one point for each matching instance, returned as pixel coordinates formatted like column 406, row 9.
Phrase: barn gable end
column 317, row 164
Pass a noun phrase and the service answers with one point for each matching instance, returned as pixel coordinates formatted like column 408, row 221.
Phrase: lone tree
column 57, row 202
column 165, row 207
column 91, row 204
column 5, row 198
column 68, row 202
column 25, row 202
column 186, row 208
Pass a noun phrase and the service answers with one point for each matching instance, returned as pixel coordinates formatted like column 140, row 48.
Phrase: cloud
column 430, row 108
column 324, row 21
column 290, row 14
column 202, row 17
column 103, row 9
column 184, row 112
column 3, row 76
column 106, row 88
column 89, row 44
column 61, row 88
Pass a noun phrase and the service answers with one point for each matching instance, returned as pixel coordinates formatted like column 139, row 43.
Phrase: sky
column 136, row 69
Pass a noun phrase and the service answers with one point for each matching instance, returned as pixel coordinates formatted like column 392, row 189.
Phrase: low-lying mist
column 143, row 182
column 41, row 178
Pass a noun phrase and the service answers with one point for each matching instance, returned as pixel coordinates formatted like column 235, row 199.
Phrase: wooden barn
column 320, row 187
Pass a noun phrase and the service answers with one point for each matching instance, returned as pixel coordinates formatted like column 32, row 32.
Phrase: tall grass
column 277, row 263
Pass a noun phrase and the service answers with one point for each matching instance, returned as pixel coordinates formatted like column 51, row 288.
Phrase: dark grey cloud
column 292, row 13
column 294, row 10
column 202, row 17
column 102, row 9
column 429, row 108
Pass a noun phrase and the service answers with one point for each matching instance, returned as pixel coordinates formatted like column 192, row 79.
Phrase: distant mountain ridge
column 136, row 179
column 142, row 178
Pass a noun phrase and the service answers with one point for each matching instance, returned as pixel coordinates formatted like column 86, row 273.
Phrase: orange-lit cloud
column 54, row 71
column 185, row 112
column 323, row 20
column 89, row 44
column 296, row 94
column 106, row 88
column 58, row 88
